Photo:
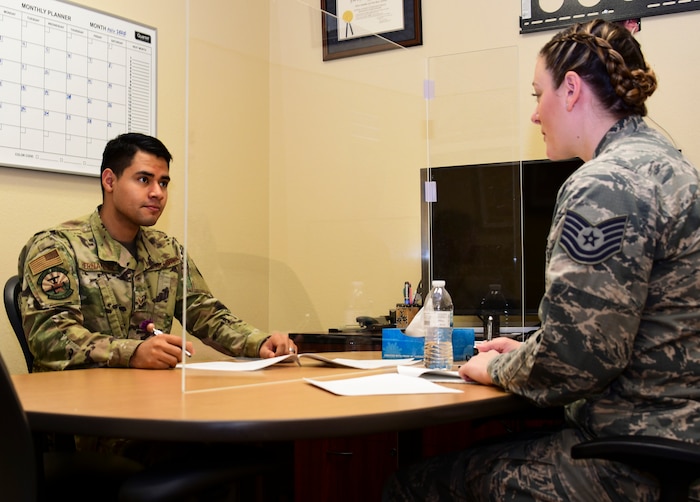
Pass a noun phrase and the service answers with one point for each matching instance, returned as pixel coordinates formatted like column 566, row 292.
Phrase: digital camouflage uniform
column 619, row 344
column 84, row 297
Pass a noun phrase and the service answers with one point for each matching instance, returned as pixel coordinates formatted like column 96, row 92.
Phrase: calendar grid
column 70, row 80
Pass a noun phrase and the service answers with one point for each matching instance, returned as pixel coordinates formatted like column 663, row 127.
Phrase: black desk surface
column 337, row 342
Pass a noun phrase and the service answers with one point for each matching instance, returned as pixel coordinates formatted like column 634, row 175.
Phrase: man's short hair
column 120, row 151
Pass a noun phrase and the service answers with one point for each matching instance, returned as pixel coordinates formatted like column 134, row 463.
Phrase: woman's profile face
column 550, row 113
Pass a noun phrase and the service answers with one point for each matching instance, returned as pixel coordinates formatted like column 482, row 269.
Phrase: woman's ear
column 572, row 87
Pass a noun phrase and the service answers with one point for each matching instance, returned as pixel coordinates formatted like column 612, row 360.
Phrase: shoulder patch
column 45, row 261
column 591, row 244
column 55, row 283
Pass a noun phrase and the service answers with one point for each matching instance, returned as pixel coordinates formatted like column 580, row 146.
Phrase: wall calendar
column 71, row 79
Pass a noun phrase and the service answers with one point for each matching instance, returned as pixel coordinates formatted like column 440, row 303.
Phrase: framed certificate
column 354, row 27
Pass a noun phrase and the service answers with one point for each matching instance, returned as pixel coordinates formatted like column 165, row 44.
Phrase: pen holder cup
column 405, row 314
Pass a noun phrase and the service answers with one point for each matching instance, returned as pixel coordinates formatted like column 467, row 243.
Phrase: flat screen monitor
column 489, row 225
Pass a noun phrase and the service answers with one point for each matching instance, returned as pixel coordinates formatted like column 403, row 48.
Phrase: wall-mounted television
column 489, row 225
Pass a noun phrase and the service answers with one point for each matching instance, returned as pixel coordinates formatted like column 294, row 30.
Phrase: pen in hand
column 155, row 331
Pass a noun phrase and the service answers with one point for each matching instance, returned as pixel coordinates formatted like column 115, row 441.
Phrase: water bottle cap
column 438, row 284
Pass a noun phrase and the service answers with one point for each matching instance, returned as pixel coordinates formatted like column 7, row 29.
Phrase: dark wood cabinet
column 344, row 469
column 355, row 468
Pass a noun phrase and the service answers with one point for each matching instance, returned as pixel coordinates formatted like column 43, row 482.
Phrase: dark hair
column 609, row 58
column 120, row 151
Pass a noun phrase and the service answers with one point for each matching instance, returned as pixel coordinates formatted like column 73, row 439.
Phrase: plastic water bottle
column 438, row 314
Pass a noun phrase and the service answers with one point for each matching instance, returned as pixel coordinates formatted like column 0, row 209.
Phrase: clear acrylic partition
column 474, row 237
column 303, row 174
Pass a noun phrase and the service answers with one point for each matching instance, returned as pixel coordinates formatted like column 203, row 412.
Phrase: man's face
column 139, row 195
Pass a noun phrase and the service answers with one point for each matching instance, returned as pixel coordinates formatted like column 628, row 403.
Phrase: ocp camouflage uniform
column 619, row 344
column 84, row 297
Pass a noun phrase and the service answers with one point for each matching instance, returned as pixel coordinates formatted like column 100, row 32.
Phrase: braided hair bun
column 609, row 58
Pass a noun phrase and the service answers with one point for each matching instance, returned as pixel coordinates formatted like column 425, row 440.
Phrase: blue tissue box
column 396, row 345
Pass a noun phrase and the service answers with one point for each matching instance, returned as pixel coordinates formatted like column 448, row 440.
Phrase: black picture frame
column 535, row 19
column 411, row 35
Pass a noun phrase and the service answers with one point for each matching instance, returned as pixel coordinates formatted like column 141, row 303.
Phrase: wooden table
column 272, row 404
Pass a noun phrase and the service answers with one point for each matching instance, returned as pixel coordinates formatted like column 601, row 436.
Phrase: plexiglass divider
column 471, row 214
column 304, row 175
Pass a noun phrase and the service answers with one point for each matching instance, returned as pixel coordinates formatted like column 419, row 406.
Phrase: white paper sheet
column 256, row 364
column 252, row 365
column 384, row 384
column 361, row 364
column 442, row 376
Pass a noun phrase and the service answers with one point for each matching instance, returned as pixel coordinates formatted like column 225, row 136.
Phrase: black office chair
column 676, row 464
column 28, row 473
column 12, row 290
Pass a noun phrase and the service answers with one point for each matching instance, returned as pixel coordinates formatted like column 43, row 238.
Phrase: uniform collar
column 621, row 129
column 108, row 248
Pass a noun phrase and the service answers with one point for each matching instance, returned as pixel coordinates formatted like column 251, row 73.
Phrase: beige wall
column 303, row 174
column 348, row 138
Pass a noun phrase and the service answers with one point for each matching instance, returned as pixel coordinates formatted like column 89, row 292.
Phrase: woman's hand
column 476, row 368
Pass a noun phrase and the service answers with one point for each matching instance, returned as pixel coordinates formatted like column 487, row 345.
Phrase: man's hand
column 477, row 367
column 278, row 344
column 159, row 352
